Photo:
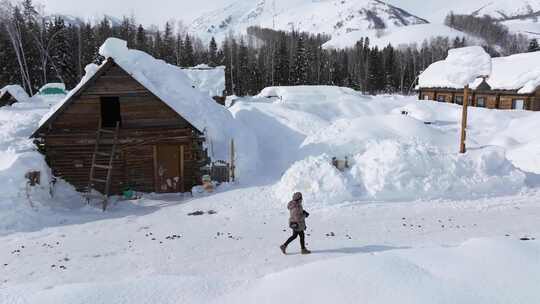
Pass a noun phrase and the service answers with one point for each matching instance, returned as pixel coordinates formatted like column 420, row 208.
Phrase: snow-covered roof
column 53, row 88
column 207, row 79
column 167, row 82
column 16, row 91
column 462, row 66
column 520, row 72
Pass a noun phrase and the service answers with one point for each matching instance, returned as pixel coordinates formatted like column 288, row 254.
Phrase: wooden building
column 158, row 149
column 513, row 85
column 12, row 94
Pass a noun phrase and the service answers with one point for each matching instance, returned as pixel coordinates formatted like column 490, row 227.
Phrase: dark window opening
column 481, row 102
column 459, row 100
column 441, row 98
column 110, row 112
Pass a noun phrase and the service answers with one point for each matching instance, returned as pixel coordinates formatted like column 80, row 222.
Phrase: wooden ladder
column 93, row 180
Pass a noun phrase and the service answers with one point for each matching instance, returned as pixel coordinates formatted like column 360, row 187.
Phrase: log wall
column 493, row 100
column 69, row 140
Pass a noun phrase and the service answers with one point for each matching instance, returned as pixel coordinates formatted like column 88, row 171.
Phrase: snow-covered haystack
column 403, row 170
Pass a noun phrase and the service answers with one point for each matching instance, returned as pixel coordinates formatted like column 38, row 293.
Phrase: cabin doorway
column 169, row 168
column 110, row 112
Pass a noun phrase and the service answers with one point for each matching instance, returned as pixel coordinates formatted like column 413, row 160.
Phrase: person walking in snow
column 297, row 222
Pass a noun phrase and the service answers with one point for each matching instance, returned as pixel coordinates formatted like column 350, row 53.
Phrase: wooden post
column 232, row 163
column 463, row 147
column 182, row 169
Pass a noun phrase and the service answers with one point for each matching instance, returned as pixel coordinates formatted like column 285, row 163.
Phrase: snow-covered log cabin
column 514, row 83
column 160, row 120
column 12, row 94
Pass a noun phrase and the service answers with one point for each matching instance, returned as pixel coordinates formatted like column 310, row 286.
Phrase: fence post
column 232, row 173
column 463, row 147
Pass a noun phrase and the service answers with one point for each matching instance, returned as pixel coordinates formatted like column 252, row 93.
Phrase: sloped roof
column 520, row 72
column 167, row 82
column 16, row 91
column 207, row 79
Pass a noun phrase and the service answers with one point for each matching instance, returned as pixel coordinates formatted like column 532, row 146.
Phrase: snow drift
column 392, row 170
column 462, row 274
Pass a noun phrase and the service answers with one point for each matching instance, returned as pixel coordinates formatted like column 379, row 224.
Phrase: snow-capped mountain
column 505, row 9
column 333, row 17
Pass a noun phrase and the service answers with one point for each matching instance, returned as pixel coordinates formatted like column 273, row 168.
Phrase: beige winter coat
column 297, row 215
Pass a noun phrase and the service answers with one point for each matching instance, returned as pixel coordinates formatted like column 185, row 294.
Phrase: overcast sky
column 146, row 11
column 160, row 11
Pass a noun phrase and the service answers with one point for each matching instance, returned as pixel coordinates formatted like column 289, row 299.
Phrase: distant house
column 53, row 89
column 513, row 84
column 12, row 94
column 161, row 120
column 210, row 80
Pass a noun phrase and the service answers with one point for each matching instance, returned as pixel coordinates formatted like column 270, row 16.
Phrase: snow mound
column 16, row 91
column 417, row 111
column 461, row 67
column 394, row 170
column 307, row 93
column 207, row 79
column 317, row 179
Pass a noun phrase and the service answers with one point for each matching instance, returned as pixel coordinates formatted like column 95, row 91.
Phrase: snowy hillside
column 334, row 17
column 409, row 218
column 399, row 36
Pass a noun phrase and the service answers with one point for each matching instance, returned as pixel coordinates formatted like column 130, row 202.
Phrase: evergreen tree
column 227, row 62
column 103, row 31
column 282, row 66
column 375, row 79
column 212, row 53
column 157, row 48
column 141, row 41
column 62, row 53
column 188, row 58
column 178, row 50
column 167, row 52
column 389, row 70
column 533, row 46
column 243, row 69
column 301, row 65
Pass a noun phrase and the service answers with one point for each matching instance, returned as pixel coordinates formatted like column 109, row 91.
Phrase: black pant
column 294, row 236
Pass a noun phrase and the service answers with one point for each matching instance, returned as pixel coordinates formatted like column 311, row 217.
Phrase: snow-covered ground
column 410, row 220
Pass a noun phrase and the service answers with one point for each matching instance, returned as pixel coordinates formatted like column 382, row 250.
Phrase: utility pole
column 463, row 147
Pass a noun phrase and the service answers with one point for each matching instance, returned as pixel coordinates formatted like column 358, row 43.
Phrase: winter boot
column 305, row 251
column 283, row 248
